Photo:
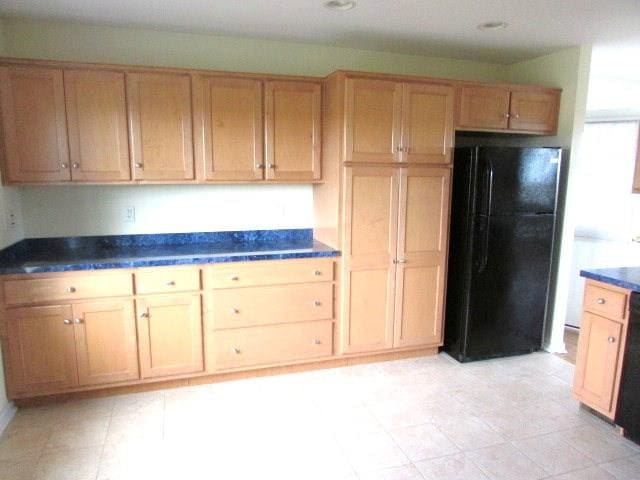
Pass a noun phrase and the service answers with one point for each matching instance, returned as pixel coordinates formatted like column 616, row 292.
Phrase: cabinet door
column 371, row 221
column 106, row 345
column 35, row 127
column 597, row 362
column 483, row 108
column 373, row 117
column 170, row 335
column 97, row 121
column 41, row 356
column 427, row 123
column 229, row 132
column 160, row 126
column 534, row 111
column 423, row 226
column 293, row 116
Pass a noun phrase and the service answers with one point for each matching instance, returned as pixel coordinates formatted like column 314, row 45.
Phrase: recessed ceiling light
column 341, row 5
column 493, row 26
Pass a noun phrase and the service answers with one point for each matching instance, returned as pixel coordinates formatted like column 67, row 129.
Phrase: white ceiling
column 428, row 27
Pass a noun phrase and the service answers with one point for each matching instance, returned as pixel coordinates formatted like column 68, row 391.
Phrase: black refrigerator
column 503, row 215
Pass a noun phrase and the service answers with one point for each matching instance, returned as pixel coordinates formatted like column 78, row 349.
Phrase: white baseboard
column 555, row 347
column 6, row 415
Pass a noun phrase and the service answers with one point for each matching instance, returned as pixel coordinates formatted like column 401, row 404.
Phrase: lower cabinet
column 245, row 347
column 170, row 335
column 396, row 237
column 64, row 346
column 106, row 343
column 42, row 352
column 598, row 362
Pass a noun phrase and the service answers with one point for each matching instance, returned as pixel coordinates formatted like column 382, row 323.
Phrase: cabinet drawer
column 251, row 274
column 36, row 290
column 610, row 303
column 244, row 347
column 245, row 307
column 167, row 280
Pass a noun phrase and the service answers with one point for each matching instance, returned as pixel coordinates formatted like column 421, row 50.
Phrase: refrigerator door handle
column 484, row 258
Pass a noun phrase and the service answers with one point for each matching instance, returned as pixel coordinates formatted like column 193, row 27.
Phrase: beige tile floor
column 422, row 418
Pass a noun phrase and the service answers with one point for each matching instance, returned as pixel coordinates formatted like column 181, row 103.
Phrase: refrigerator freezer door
column 517, row 180
column 509, row 283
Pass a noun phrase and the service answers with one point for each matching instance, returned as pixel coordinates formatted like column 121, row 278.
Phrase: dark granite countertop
column 623, row 277
column 65, row 254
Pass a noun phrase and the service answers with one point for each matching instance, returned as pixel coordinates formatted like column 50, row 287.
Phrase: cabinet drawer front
column 606, row 302
column 245, row 347
column 268, row 273
column 245, row 307
column 21, row 292
column 167, row 280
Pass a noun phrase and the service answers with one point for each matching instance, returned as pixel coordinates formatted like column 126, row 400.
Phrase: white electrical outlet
column 11, row 220
column 130, row 214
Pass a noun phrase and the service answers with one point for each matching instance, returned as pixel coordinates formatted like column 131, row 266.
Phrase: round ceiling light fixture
column 341, row 5
column 493, row 26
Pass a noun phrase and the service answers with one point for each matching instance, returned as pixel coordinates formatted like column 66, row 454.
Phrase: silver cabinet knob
column 317, row 341
column 144, row 315
column 79, row 320
column 402, row 261
column 317, row 303
column 235, row 278
column 75, row 165
column 71, row 290
column 67, row 321
column 317, row 273
column 260, row 166
column 398, row 148
column 171, row 283
column 237, row 351
column 601, row 301
column 507, row 115
column 64, row 165
column 611, row 339
column 139, row 165
column 235, row 311
column 271, row 166
column 516, row 115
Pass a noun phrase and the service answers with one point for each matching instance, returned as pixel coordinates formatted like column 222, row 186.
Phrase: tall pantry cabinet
column 385, row 204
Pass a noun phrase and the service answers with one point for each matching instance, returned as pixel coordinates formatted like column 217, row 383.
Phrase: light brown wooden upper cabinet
column 483, row 107
column 170, row 335
column 427, row 123
column 97, row 125
column 517, row 108
column 370, row 241
column 388, row 122
column 106, row 342
column 423, row 224
column 373, row 112
column 34, row 123
column 160, row 128
column 228, row 128
column 293, row 126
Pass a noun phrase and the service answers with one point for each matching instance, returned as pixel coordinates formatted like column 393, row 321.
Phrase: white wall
column 99, row 210
column 9, row 203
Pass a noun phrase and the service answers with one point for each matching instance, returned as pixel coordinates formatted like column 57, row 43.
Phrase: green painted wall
column 65, row 41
